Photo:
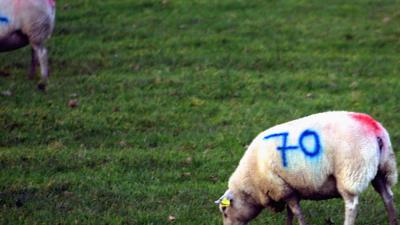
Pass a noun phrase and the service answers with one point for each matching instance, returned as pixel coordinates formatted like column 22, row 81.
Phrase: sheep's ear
column 219, row 200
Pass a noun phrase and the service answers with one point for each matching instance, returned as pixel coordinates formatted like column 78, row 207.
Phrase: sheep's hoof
column 41, row 87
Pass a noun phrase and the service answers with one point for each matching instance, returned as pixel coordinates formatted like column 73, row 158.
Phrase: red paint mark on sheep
column 368, row 122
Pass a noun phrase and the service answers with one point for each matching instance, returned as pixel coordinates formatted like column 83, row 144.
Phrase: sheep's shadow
column 4, row 74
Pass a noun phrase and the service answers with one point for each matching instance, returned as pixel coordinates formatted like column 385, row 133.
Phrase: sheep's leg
column 289, row 219
column 294, row 207
column 34, row 62
column 41, row 53
column 351, row 204
column 387, row 196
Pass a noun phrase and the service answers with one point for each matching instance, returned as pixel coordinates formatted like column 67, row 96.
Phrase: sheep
column 24, row 22
column 321, row 156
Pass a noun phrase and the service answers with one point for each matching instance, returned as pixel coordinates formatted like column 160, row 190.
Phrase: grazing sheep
column 24, row 22
column 322, row 156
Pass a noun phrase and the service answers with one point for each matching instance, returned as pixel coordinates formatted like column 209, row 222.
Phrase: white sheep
column 322, row 156
column 24, row 22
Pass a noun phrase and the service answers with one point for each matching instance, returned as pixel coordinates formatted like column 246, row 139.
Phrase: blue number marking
column 3, row 19
column 317, row 144
column 284, row 146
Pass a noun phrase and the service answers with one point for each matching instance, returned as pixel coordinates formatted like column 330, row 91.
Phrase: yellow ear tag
column 225, row 202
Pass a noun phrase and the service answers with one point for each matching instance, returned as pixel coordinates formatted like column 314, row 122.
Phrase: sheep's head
column 236, row 208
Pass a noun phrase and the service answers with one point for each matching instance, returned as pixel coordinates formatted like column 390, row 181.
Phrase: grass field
column 171, row 91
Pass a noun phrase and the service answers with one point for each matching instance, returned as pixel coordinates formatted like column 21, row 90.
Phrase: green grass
column 170, row 93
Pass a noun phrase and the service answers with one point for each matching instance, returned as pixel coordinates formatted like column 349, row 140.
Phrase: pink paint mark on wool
column 17, row 6
column 368, row 122
column 52, row 2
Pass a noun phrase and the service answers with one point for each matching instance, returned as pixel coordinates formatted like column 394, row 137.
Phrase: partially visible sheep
column 322, row 156
column 24, row 22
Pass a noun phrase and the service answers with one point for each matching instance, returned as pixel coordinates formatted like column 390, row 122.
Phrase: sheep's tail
column 387, row 163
